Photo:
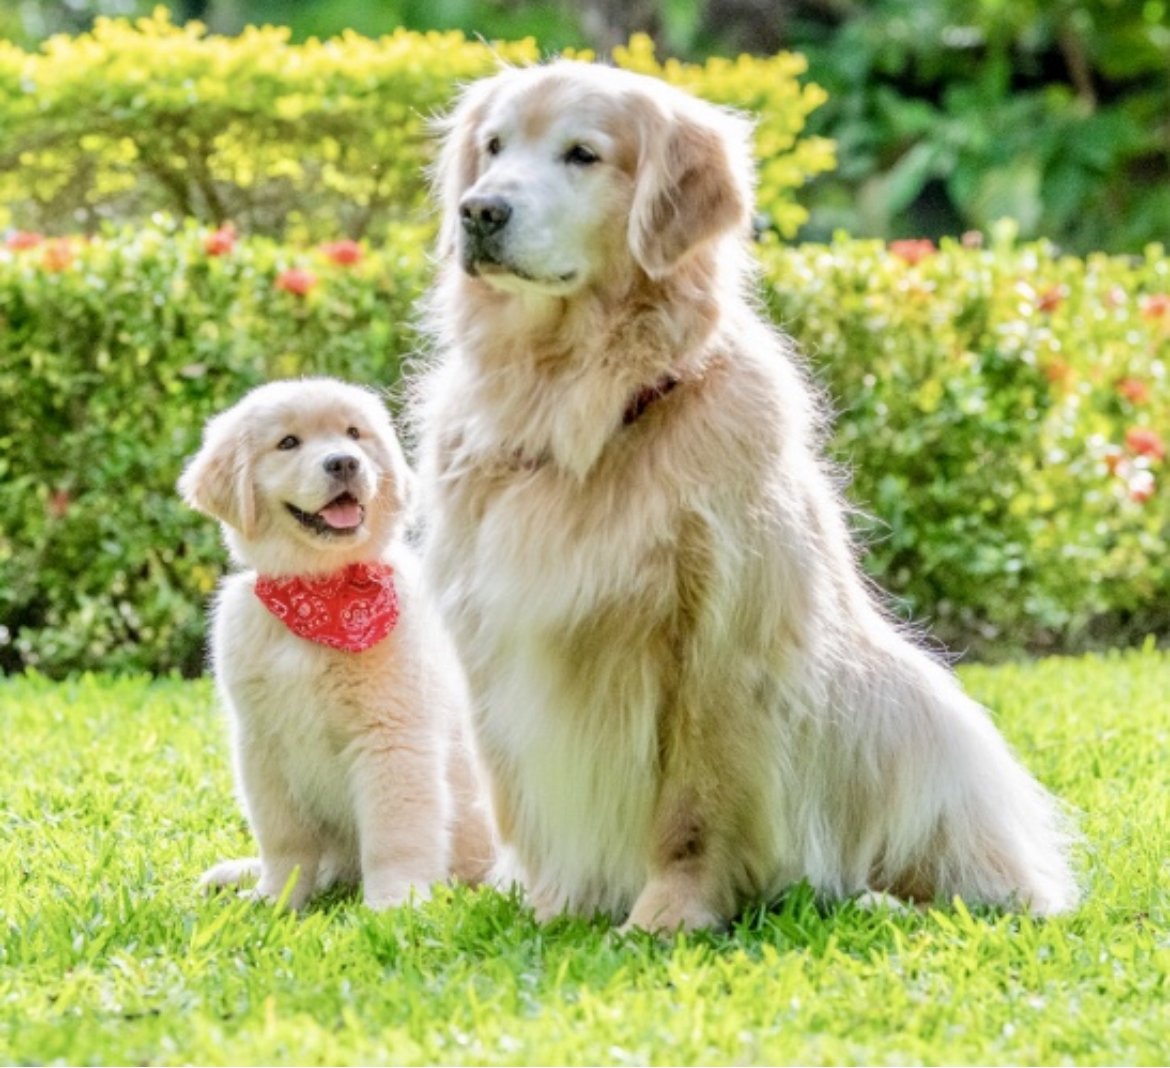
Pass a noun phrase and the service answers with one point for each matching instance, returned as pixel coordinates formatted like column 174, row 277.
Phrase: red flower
column 1134, row 390
column 220, row 242
column 21, row 239
column 1050, row 299
column 58, row 254
column 1141, row 487
column 1156, row 306
column 345, row 253
column 296, row 280
column 1142, row 441
column 912, row 251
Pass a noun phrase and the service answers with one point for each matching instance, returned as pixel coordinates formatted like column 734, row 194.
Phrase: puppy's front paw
column 230, row 873
column 391, row 893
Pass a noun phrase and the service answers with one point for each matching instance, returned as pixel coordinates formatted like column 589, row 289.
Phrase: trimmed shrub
column 1003, row 410
column 1003, row 413
column 303, row 140
column 113, row 352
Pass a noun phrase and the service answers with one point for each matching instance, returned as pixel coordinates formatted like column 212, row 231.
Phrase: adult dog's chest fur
column 563, row 595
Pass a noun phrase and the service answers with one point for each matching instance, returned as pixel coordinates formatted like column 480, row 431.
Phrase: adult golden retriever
column 685, row 692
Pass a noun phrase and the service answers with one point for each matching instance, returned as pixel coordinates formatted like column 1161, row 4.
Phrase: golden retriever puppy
column 346, row 700
column 685, row 693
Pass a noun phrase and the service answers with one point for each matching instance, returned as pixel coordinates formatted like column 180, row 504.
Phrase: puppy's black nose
column 483, row 216
column 342, row 465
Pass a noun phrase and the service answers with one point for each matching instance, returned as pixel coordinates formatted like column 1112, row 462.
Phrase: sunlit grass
column 114, row 795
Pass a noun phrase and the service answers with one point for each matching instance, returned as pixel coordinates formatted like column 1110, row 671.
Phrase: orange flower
column 345, row 253
column 1134, row 390
column 21, row 239
column 296, row 280
column 1057, row 371
column 1114, row 459
column 912, row 250
column 58, row 254
column 1142, row 441
column 1156, row 306
column 220, row 242
column 1050, row 299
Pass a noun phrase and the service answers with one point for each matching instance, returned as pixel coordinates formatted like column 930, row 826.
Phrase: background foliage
column 1000, row 408
column 949, row 114
column 276, row 137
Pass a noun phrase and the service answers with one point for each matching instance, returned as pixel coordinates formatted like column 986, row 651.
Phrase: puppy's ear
column 218, row 481
column 693, row 183
column 398, row 480
column 457, row 166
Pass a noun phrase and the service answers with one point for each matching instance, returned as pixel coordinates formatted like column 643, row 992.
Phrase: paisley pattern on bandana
column 352, row 609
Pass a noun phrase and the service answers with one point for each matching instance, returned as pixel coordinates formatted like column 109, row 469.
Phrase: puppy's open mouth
column 341, row 517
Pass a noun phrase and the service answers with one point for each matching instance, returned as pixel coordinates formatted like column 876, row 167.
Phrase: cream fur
column 350, row 766
column 685, row 693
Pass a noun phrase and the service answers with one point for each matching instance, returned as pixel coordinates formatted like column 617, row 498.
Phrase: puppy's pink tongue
column 342, row 515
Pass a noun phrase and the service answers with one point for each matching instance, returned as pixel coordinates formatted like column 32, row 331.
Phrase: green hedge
column 299, row 140
column 1003, row 411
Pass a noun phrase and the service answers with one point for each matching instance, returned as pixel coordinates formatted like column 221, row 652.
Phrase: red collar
column 634, row 411
column 351, row 609
column 647, row 396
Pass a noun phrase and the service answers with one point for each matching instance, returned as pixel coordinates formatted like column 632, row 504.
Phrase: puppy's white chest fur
column 290, row 704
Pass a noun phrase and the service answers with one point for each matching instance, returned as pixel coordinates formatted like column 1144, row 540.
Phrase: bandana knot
column 351, row 609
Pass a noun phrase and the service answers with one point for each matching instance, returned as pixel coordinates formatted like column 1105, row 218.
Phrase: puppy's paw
column 391, row 893
column 230, row 873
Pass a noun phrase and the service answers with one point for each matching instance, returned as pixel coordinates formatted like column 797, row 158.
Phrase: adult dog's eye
column 493, row 147
column 354, row 433
column 582, row 156
column 289, row 441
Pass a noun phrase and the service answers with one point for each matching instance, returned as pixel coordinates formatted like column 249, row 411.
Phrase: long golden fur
column 350, row 766
column 685, row 693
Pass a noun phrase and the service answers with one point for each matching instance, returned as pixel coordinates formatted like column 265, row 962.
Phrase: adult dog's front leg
column 686, row 889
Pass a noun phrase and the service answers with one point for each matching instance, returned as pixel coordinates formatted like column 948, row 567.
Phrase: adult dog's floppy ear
column 457, row 166
column 693, row 183
column 218, row 480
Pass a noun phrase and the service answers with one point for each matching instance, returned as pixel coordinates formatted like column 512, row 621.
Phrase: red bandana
column 351, row 609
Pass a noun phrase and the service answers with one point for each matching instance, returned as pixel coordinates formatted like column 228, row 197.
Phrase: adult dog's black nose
column 483, row 216
column 342, row 465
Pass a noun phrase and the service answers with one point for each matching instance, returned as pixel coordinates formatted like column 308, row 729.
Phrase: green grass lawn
column 115, row 795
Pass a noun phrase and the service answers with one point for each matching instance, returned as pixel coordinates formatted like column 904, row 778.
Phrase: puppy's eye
column 354, row 433
column 493, row 146
column 582, row 156
column 289, row 441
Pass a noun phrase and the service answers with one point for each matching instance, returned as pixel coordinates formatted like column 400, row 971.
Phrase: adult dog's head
column 576, row 177
column 305, row 476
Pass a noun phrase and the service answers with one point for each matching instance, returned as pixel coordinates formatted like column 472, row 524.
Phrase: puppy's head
column 305, row 476
column 557, row 178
